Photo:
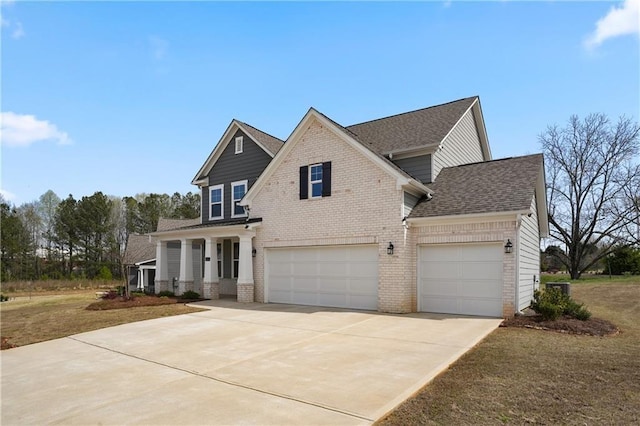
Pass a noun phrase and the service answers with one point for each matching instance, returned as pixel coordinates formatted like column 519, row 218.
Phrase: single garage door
column 336, row 276
column 461, row 279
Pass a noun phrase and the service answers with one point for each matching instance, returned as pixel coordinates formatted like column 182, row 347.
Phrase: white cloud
column 18, row 32
column 619, row 21
column 7, row 196
column 23, row 130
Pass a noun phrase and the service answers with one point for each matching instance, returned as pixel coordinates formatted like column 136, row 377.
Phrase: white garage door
column 342, row 276
column 461, row 279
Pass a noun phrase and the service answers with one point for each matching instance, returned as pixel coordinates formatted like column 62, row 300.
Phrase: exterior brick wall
column 365, row 206
column 245, row 293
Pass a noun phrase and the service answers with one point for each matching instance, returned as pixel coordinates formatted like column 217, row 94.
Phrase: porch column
column 211, row 283
column 245, row 270
column 185, row 282
column 162, row 267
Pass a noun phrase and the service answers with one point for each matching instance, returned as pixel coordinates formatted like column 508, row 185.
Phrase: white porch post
column 162, row 267
column 211, row 284
column 140, row 279
column 245, row 270
column 185, row 282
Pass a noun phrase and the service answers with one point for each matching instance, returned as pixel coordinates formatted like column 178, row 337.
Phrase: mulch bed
column 6, row 344
column 132, row 302
column 590, row 327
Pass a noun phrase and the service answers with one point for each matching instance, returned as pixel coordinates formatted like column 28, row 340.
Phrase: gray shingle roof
column 503, row 185
column 414, row 129
column 271, row 143
column 139, row 249
column 165, row 224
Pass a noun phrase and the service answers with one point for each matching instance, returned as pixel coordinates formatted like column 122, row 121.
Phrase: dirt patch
column 6, row 344
column 131, row 302
column 590, row 327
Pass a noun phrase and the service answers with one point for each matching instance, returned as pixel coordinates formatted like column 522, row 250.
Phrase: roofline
column 494, row 215
column 412, row 111
column 224, row 230
column 221, row 145
column 144, row 261
column 288, row 146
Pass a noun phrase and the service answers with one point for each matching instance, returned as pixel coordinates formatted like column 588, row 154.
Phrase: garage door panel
column 487, row 270
column 439, row 270
column 339, row 276
column 462, row 279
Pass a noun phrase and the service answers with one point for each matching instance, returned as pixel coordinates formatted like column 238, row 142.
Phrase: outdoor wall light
column 253, row 252
column 390, row 248
column 508, row 248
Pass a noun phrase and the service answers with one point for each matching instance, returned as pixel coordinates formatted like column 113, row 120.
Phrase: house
column 140, row 263
column 400, row 214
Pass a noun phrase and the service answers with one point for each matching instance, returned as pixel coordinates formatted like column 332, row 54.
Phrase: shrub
column 190, row 295
column 166, row 293
column 3, row 298
column 552, row 302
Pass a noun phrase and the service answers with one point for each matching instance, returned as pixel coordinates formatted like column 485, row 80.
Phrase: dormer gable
column 238, row 134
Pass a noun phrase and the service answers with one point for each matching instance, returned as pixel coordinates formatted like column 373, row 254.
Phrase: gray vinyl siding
column 461, row 146
column 528, row 257
column 409, row 202
column 232, row 167
column 173, row 260
column 419, row 167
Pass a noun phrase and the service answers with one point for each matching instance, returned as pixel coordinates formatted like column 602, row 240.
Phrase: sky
column 131, row 97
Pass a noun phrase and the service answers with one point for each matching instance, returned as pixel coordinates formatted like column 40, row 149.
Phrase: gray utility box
column 564, row 287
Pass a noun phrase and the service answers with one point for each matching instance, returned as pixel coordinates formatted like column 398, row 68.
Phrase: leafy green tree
column 17, row 246
column 623, row 260
column 66, row 231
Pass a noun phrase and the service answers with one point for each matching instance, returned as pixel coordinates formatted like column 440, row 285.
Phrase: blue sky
column 131, row 97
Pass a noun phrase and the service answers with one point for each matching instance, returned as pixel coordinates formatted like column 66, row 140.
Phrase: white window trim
column 311, row 182
column 234, row 260
column 221, row 188
column 233, row 200
column 220, row 260
column 239, row 144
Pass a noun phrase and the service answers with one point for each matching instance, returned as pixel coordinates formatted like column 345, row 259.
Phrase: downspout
column 518, row 225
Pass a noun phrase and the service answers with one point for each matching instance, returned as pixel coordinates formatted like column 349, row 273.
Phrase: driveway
column 235, row 363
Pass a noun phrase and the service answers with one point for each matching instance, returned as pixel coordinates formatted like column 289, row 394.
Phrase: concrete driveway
column 235, row 364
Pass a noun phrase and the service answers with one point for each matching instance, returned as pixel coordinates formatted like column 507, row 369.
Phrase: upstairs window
column 239, row 144
column 216, row 202
column 238, row 189
column 315, row 180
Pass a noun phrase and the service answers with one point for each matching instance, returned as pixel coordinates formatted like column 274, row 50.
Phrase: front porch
column 211, row 260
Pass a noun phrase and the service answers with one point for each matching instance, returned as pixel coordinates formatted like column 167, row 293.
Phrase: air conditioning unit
column 564, row 287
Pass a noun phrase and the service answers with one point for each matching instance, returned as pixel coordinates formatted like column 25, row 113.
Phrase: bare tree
column 593, row 182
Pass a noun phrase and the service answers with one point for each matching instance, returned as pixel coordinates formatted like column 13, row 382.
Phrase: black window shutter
column 304, row 182
column 326, row 179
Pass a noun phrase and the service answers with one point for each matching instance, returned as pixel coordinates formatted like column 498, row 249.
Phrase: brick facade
column 365, row 206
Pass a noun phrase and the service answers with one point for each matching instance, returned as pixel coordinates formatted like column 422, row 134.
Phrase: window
column 219, row 250
column 238, row 189
column 216, row 201
column 239, row 144
column 315, row 181
column 236, row 259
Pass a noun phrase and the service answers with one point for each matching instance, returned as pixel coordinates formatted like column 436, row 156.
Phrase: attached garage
column 336, row 276
column 465, row 279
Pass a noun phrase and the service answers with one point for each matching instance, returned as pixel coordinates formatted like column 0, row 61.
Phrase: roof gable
column 426, row 127
column 139, row 249
column 269, row 144
column 345, row 135
column 500, row 186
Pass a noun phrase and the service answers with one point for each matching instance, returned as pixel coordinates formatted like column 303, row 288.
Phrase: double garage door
column 461, row 279
column 336, row 276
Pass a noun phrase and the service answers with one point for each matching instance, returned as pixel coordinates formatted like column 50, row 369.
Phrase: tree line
column 53, row 238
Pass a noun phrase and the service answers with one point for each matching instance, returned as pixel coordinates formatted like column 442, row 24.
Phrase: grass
column 518, row 376
column 45, row 316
